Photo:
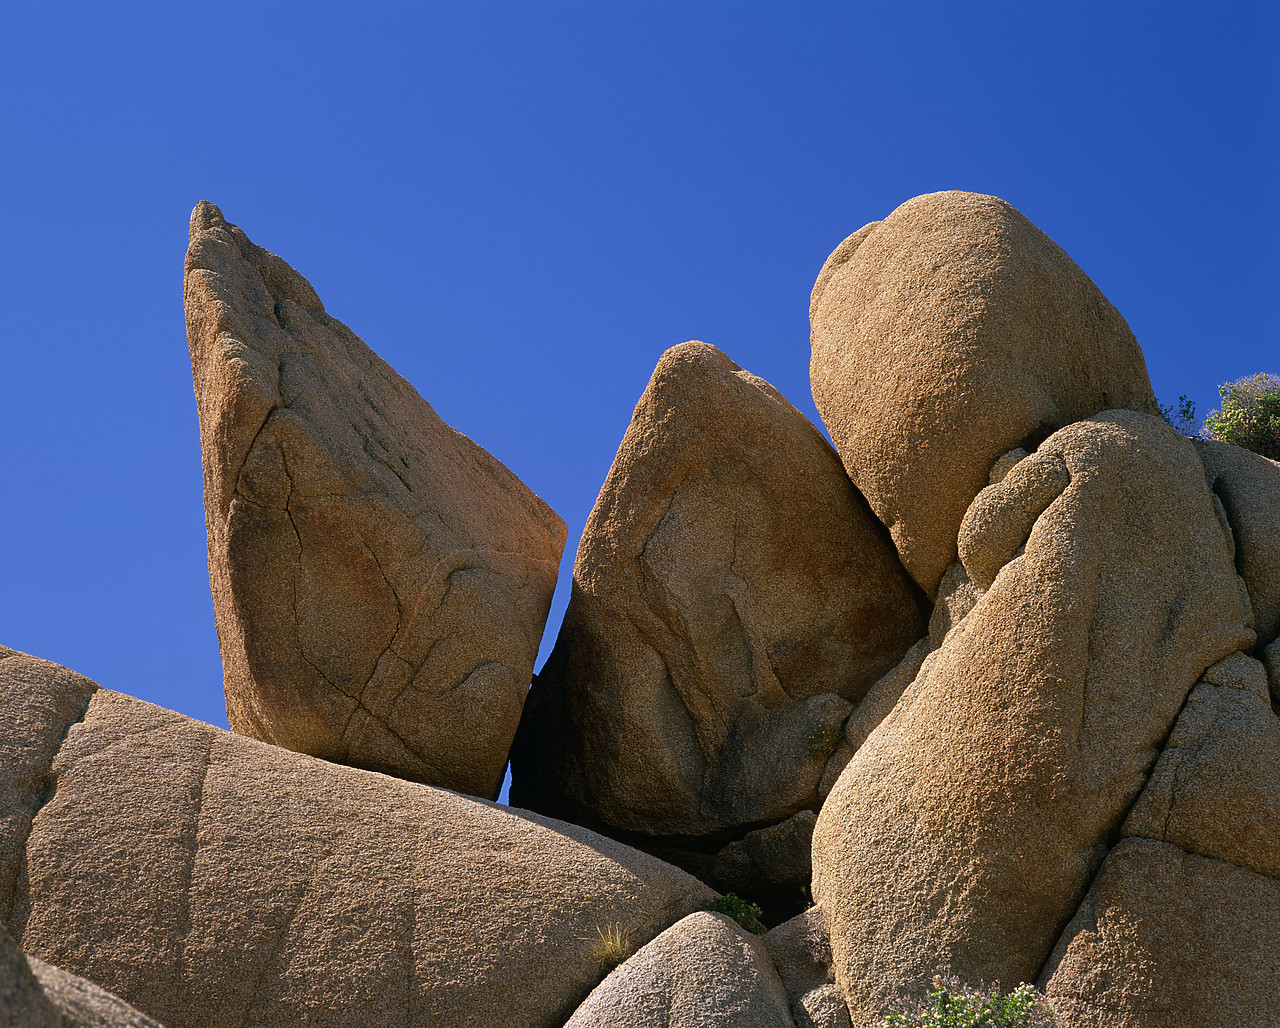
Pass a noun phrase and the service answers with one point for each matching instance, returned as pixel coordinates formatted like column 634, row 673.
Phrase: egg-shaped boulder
column 946, row 335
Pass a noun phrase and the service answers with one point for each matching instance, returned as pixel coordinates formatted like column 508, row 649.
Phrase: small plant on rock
column 1180, row 417
column 1250, row 415
column 954, row 1005
column 746, row 914
column 824, row 740
column 611, row 946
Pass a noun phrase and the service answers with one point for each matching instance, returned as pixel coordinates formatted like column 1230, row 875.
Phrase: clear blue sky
column 521, row 205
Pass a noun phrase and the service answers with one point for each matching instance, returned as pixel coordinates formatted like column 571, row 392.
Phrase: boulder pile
column 988, row 690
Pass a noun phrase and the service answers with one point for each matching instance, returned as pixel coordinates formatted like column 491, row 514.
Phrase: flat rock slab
column 944, row 336
column 732, row 597
column 703, row 972
column 380, row 582
column 210, row 879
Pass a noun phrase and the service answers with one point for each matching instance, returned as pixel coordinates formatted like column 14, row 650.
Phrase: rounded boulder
column 947, row 334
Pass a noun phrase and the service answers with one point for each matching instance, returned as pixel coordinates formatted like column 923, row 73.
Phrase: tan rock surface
column 1005, row 463
column 801, row 952
column 1182, row 924
column 1215, row 790
column 957, row 595
column 1249, row 487
column 965, row 831
column 776, row 857
column 999, row 520
column 1168, row 939
column 823, row 1007
column 34, row 994
column 210, row 879
column 884, row 695
column 39, row 702
column 703, row 972
column 380, row 582
column 732, row 595
column 944, row 336
column 1271, row 660
column 957, row 592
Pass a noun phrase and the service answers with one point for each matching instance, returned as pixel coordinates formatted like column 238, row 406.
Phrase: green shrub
column 746, row 914
column 953, row 1005
column 824, row 740
column 1181, row 417
column 1250, row 415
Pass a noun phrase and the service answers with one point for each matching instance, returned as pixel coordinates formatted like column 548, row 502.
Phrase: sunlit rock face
column 944, row 336
column 964, row 833
column 732, row 596
column 210, row 879
column 380, row 582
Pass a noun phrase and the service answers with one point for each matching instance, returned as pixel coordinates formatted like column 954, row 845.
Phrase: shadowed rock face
column 801, row 952
column 963, row 834
column 944, row 336
column 209, row 879
column 732, row 595
column 23, row 1003
column 380, row 582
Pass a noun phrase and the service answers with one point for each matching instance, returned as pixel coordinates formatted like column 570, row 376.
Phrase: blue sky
column 520, row 206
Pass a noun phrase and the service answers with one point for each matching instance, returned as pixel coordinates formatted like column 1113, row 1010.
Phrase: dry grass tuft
column 611, row 946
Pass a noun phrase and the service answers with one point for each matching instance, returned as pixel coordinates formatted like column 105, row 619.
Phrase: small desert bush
column 1181, row 417
column 824, row 739
column 1249, row 416
column 746, row 914
column 953, row 1005
column 611, row 946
